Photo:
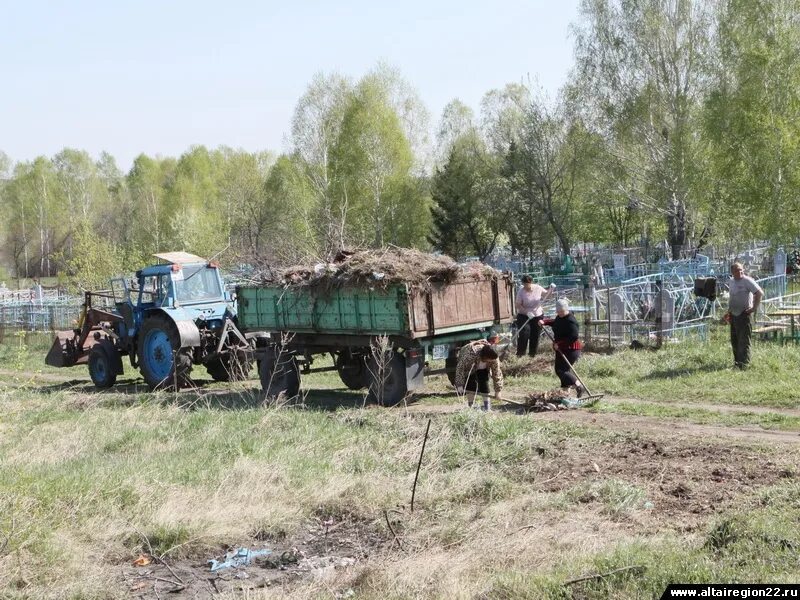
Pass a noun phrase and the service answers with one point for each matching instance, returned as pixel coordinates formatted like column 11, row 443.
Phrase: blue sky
column 156, row 77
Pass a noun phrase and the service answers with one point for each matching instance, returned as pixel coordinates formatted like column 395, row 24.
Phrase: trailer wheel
column 234, row 366
column 387, row 383
column 164, row 365
column 102, row 367
column 352, row 369
column 279, row 374
column 450, row 364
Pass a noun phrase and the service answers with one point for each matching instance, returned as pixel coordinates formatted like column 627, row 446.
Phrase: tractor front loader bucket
column 72, row 347
column 65, row 351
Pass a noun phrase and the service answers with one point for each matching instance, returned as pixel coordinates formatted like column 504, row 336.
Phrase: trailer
column 381, row 339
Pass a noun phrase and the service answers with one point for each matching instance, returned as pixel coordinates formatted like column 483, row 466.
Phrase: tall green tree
column 85, row 192
column 468, row 211
column 241, row 189
column 643, row 65
column 373, row 162
column 198, row 217
column 545, row 167
column 5, row 166
column 147, row 183
column 36, row 219
column 457, row 120
column 316, row 126
column 752, row 118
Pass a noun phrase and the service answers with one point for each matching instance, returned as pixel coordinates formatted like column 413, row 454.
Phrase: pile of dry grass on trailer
column 382, row 268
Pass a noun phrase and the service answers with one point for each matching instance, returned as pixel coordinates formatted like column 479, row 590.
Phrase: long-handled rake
column 516, row 335
column 588, row 400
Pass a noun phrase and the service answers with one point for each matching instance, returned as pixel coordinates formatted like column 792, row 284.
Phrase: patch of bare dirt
column 685, row 478
column 316, row 552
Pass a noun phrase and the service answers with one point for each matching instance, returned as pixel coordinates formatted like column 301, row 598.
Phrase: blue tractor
column 172, row 316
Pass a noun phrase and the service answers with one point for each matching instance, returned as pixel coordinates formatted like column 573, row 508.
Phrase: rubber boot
column 487, row 403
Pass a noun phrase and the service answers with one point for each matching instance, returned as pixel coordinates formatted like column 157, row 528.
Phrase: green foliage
column 680, row 120
column 95, row 258
column 641, row 67
column 468, row 212
column 372, row 161
column 751, row 118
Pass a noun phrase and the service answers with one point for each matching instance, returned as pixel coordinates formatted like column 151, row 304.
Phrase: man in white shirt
column 529, row 310
column 745, row 296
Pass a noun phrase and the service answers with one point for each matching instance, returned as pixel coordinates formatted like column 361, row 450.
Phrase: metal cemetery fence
column 48, row 315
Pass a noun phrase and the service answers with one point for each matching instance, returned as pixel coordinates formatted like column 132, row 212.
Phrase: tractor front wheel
column 164, row 365
column 102, row 366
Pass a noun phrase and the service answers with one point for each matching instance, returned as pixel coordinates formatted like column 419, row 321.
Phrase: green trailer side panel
column 342, row 310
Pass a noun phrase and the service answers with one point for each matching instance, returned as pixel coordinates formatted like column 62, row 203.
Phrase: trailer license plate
column 440, row 351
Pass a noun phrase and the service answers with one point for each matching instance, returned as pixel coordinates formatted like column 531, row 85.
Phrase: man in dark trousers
column 745, row 296
column 566, row 344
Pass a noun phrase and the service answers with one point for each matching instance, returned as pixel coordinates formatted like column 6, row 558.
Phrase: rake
column 588, row 400
column 515, row 336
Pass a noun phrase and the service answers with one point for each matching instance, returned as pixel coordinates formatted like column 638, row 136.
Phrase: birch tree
column 643, row 65
column 752, row 118
column 316, row 125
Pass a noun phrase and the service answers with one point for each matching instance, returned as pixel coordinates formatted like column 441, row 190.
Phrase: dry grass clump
column 541, row 400
column 382, row 268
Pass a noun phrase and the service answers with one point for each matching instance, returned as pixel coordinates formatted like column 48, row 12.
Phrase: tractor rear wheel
column 279, row 374
column 164, row 365
column 102, row 366
column 234, row 366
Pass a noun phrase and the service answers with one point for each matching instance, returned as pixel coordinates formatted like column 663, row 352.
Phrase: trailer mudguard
column 415, row 368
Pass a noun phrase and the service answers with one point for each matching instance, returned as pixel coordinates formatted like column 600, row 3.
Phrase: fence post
column 658, row 307
column 608, row 314
column 587, row 316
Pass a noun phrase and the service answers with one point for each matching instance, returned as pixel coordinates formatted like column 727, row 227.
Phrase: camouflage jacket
column 468, row 359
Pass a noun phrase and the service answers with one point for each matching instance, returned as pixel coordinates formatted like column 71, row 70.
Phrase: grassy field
column 688, row 471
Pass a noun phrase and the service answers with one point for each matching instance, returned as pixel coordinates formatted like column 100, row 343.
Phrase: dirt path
column 671, row 427
column 610, row 400
column 723, row 408
column 658, row 425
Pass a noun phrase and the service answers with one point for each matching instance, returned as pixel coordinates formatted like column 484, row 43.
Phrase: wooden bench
column 769, row 332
